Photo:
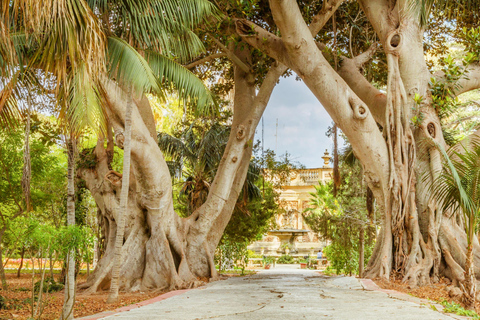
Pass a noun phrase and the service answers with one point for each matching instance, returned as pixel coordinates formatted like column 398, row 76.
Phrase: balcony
column 309, row 177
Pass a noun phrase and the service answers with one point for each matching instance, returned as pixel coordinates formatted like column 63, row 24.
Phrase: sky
column 302, row 124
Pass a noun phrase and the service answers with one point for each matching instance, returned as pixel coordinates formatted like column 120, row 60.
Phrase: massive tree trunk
column 160, row 249
column 418, row 241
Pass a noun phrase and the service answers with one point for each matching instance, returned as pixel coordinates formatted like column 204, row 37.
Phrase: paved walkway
column 282, row 293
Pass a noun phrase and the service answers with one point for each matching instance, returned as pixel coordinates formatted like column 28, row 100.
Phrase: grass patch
column 237, row 272
column 452, row 307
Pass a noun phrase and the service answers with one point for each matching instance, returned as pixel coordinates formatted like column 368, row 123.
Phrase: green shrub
column 49, row 285
column 252, row 254
column 268, row 260
column 452, row 307
column 286, row 259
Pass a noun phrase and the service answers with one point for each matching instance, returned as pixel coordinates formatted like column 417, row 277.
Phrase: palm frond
column 69, row 33
column 452, row 186
column 211, row 147
column 128, row 67
column 9, row 108
column 189, row 86
column 7, row 56
column 421, row 9
column 250, row 189
column 84, row 107
column 164, row 26
column 15, row 90
column 21, row 46
column 174, row 147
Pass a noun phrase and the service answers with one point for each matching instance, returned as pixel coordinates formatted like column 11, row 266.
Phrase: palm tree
column 196, row 156
column 323, row 207
column 81, row 43
column 114, row 286
column 67, row 310
column 457, row 188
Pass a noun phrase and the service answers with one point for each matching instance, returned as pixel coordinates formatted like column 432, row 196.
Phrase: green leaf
column 84, row 108
column 189, row 86
column 128, row 67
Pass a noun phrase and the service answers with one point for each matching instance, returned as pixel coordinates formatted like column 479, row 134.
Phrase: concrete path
column 282, row 293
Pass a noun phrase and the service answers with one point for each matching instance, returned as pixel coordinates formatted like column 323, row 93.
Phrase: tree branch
column 272, row 45
column 379, row 14
column 321, row 18
column 471, row 81
column 204, row 60
column 269, row 83
column 261, row 39
column 366, row 56
column 232, row 56
column 349, row 112
column 350, row 72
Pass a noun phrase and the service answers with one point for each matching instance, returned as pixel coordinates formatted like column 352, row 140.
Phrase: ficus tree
column 419, row 240
column 160, row 248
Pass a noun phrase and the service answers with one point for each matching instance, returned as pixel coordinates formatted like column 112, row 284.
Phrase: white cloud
column 302, row 123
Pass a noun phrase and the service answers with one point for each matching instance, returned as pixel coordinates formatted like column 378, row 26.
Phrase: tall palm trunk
column 22, row 254
column 2, row 270
column 67, row 312
column 470, row 285
column 27, row 168
column 336, row 172
column 114, row 286
column 361, row 252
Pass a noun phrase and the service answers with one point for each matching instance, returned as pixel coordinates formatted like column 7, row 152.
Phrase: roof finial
column 326, row 158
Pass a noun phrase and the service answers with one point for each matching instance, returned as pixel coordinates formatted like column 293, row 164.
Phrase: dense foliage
column 344, row 220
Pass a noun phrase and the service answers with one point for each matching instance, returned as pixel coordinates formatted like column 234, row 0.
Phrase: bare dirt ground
column 18, row 299
column 436, row 291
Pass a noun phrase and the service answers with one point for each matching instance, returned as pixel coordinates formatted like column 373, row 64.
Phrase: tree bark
column 67, row 310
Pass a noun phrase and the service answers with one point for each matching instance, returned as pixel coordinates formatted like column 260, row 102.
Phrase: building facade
column 294, row 199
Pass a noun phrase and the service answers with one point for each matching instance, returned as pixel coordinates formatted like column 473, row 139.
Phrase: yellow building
column 294, row 198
